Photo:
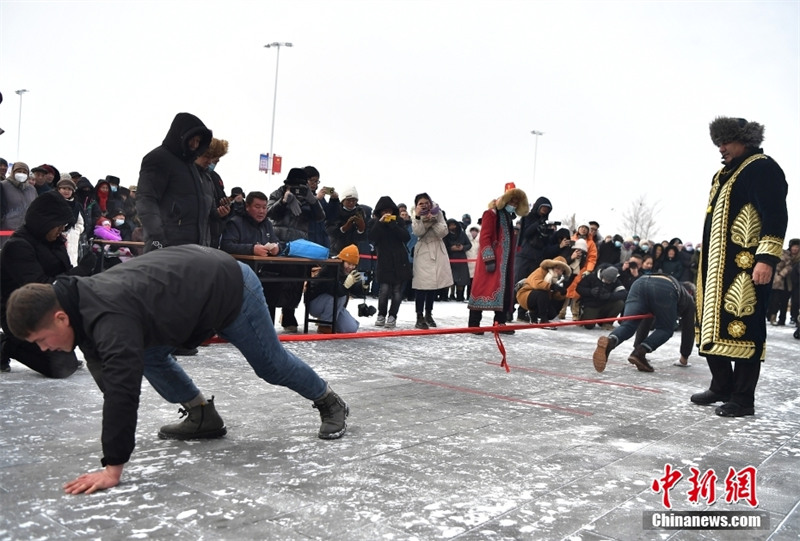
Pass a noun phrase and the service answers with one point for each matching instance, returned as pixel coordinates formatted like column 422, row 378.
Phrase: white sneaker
column 391, row 322
column 380, row 321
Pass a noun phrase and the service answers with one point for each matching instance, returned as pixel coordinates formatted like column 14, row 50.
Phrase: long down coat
column 495, row 290
column 431, row 264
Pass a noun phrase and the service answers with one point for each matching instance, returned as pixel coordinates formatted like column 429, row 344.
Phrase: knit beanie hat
column 609, row 274
column 580, row 244
column 350, row 254
column 349, row 192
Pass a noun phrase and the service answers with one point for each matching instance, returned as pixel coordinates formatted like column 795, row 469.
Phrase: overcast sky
column 400, row 97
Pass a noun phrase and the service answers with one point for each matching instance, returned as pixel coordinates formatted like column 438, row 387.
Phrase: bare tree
column 640, row 218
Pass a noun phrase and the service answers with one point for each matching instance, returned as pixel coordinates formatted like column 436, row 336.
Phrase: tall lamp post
column 19, row 92
column 278, row 46
column 535, row 148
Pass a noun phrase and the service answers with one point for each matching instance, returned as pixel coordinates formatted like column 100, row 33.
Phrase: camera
column 633, row 265
column 552, row 224
column 299, row 190
column 365, row 310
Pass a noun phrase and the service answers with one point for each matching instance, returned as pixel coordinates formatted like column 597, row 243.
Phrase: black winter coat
column 165, row 301
column 242, row 233
column 390, row 239
column 27, row 257
column 174, row 201
column 594, row 292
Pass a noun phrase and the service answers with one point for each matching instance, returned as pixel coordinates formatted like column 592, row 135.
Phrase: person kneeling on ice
column 542, row 292
column 321, row 294
column 665, row 298
column 162, row 302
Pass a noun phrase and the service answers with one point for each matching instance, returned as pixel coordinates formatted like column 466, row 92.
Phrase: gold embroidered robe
column 745, row 224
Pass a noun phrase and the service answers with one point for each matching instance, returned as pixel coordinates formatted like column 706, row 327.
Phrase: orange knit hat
column 349, row 254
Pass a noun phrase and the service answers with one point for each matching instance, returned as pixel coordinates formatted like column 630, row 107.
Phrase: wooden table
column 258, row 262
column 113, row 244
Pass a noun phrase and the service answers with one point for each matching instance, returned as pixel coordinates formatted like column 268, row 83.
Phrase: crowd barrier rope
column 496, row 330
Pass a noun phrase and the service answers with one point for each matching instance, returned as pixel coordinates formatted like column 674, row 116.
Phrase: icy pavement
column 442, row 444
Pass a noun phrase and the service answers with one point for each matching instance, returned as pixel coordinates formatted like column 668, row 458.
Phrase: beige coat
column 431, row 263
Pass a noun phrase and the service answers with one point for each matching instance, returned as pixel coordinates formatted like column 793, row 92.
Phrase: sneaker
column 637, row 358
column 732, row 409
column 332, row 411
column 202, row 422
column 391, row 322
column 708, row 397
column 380, row 321
column 604, row 346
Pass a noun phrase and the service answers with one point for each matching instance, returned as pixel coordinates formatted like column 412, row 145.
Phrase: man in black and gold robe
column 742, row 242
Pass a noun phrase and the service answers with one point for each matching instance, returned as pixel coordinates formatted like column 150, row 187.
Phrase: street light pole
column 535, row 148
column 278, row 46
column 19, row 93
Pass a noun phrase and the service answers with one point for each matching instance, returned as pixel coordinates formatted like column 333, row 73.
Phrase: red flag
column 276, row 164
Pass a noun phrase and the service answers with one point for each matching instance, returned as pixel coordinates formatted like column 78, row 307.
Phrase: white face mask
column 119, row 222
column 20, row 177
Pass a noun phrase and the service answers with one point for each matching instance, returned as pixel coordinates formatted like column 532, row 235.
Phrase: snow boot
column 332, row 411
column 202, row 422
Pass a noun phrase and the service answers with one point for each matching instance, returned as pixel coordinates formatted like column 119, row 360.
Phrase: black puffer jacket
column 27, row 257
column 165, row 301
column 174, row 201
column 389, row 239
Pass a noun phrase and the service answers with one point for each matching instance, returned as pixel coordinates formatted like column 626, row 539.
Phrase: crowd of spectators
column 417, row 254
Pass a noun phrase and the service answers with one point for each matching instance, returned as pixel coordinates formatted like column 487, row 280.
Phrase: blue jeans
column 321, row 307
column 650, row 295
column 253, row 334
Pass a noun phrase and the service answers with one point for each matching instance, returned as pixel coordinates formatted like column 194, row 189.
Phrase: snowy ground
column 442, row 444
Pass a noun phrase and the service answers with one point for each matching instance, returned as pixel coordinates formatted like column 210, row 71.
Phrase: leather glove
column 491, row 266
column 347, row 225
column 359, row 221
column 352, row 278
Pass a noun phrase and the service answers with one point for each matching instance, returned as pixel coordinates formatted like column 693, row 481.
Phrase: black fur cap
column 726, row 129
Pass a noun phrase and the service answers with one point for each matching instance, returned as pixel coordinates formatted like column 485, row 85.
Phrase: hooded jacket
column 390, row 239
column 28, row 257
column 16, row 197
column 174, row 201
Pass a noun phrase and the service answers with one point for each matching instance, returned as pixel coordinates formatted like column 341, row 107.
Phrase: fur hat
column 727, row 130
column 581, row 244
column 66, row 183
column 296, row 177
column 350, row 254
column 558, row 262
column 609, row 274
column 794, row 242
column 523, row 208
column 349, row 192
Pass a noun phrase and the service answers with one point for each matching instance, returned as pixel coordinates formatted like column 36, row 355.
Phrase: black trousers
column 735, row 378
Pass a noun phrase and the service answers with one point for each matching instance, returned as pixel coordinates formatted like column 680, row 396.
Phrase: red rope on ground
column 495, row 329
column 500, row 345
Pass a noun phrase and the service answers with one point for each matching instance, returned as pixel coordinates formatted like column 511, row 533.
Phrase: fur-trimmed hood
column 522, row 209
column 727, row 130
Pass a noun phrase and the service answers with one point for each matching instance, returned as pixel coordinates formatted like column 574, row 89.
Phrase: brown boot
column 638, row 358
column 604, row 346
